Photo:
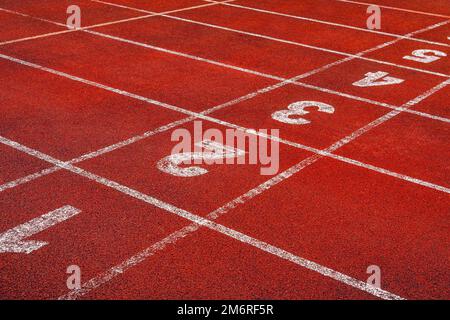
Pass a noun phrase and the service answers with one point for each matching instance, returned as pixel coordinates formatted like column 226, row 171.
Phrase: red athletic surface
column 372, row 208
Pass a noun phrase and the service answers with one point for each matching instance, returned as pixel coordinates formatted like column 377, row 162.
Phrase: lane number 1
column 13, row 240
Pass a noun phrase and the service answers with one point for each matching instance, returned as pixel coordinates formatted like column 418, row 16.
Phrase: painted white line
column 269, row 76
column 174, row 237
column 152, row 14
column 293, row 80
column 329, row 23
column 140, row 257
column 257, row 35
column 380, row 46
column 277, row 251
column 137, row 138
column 91, row 155
column 363, row 286
column 65, row 165
column 388, row 116
column 225, row 123
column 397, row 9
column 13, row 240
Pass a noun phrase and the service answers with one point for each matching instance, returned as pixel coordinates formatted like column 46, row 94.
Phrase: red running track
column 86, row 115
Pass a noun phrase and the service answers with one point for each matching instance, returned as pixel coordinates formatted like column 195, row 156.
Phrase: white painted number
column 297, row 109
column 218, row 151
column 13, row 240
column 374, row 79
column 425, row 56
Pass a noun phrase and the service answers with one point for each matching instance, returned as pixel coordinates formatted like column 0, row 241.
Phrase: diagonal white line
column 140, row 257
column 152, row 14
column 297, row 17
column 325, row 271
column 239, row 236
column 257, row 35
column 269, row 76
column 293, row 80
column 228, row 124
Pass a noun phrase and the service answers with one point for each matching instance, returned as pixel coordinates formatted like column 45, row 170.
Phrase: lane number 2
column 171, row 164
column 292, row 115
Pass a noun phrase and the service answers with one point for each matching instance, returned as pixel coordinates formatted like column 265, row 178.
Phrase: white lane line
column 121, row 144
column 293, row 80
column 28, row 178
column 140, row 257
column 383, row 45
column 329, row 23
column 397, row 9
column 257, row 35
column 228, row 124
column 363, row 286
column 391, row 114
column 269, row 76
column 13, row 240
column 152, row 14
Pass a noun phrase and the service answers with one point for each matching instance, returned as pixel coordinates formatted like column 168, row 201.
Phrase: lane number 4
column 378, row 78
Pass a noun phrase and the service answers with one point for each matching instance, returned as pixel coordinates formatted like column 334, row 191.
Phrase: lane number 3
column 293, row 114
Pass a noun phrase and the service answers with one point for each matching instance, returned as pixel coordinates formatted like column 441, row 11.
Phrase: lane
column 437, row 104
column 442, row 34
column 210, row 266
column 416, row 55
column 56, row 10
column 158, row 6
column 17, row 27
column 172, row 79
column 439, row 7
column 348, row 14
column 14, row 164
column 236, row 49
column 67, row 118
column 345, row 77
column 324, row 36
column 109, row 227
column 407, row 145
column 137, row 166
column 317, row 128
column 351, row 219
